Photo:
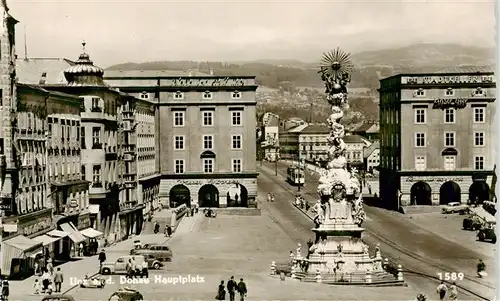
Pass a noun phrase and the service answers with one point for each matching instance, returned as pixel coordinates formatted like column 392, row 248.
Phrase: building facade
column 203, row 125
column 371, row 155
column 437, row 143
column 369, row 130
column 270, row 131
column 355, row 145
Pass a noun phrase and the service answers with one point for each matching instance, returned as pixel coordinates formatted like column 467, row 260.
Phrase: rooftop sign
column 453, row 79
column 443, row 103
column 208, row 82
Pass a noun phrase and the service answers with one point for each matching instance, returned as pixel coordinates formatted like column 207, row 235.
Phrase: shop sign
column 83, row 222
column 433, row 179
column 206, row 82
column 442, row 103
column 208, row 181
column 455, row 79
column 41, row 223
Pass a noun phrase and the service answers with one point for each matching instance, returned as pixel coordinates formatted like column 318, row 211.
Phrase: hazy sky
column 137, row 31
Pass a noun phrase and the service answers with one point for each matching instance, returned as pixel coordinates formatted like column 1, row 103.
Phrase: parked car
column 126, row 294
column 455, row 207
column 487, row 232
column 490, row 207
column 119, row 266
column 160, row 252
column 473, row 223
column 153, row 263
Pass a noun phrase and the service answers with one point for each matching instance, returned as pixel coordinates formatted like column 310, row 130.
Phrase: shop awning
column 23, row 244
column 58, row 233
column 74, row 234
column 91, row 233
column 46, row 240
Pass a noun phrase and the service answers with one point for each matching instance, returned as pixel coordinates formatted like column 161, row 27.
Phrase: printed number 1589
column 450, row 276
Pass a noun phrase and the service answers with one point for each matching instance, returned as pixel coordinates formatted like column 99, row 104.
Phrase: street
column 421, row 253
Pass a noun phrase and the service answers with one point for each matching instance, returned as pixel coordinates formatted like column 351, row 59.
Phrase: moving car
column 119, row 266
column 487, row 232
column 160, row 252
column 454, row 207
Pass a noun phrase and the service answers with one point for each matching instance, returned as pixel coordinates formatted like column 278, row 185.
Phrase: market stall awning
column 91, row 233
column 23, row 243
column 74, row 234
column 58, row 233
column 46, row 240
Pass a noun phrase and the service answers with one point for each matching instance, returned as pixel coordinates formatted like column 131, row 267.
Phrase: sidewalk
column 79, row 267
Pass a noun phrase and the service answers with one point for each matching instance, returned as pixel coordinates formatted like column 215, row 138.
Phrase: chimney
column 211, row 71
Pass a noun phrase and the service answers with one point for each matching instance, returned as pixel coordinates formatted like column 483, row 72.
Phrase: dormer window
column 144, row 95
column 236, row 95
column 95, row 105
column 178, row 95
column 207, row 95
column 449, row 92
column 479, row 92
column 419, row 93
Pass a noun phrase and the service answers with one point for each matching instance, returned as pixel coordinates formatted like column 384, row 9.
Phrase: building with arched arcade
column 205, row 127
column 436, row 137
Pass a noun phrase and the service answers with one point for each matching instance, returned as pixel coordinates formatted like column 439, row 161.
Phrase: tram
column 295, row 175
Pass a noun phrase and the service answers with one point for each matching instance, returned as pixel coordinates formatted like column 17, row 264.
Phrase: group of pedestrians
column 49, row 281
column 270, row 197
column 136, row 269
column 452, row 291
column 232, row 289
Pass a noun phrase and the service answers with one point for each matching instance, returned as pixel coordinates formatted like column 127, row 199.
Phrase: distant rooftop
column 316, row 129
column 369, row 128
column 353, row 139
column 151, row 73
column 468, row 69
column 42, row 71
column 370, row 149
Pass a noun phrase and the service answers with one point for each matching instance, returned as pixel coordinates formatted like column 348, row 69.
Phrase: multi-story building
column 354, row 150
column 371, row 155
column 305, row 142
column 437, row 142
column 369, row 129
column 270, row 132
column 203, row 125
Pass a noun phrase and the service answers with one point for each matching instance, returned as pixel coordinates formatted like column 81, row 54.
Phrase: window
column 236, row 166
column 208, row 118
column 208, row 165
column 236, row 95
column 420, row 139
column 178, row 118
column 479, row 92
column 179, row 166
column 449, row 139
column 96, row 138
column 236, row 118
column 420, row 163
column 207, row 95
column 479, row 162
column 144, row 95
column 178, row 95
column 449, row 92
column 208, row 141
column 449, row 115
column 83, row 172
column 179, row 142
column 478, row 115
column 96, row 176
column 236, row 142
column 420, row 115
column 449, row 163
column 420, row 92
column 95, row 104
column 478, row 138
column 82, row 146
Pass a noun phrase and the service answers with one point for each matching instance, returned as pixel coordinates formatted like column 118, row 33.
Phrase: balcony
column 97, row 145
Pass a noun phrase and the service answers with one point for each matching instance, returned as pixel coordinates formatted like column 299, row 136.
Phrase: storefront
column 209, row 192
column 442, row 189
column 149, row 190
column 74, row 226
column 131, row 221
column 18, row 256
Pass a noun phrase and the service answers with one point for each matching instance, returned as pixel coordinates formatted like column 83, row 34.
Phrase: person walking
column 481, row 269
column 130, row 269
column 453, row 291
column 37, row 286
column 272, row 197
column 369, row 189
column 169, row 231
column 221, row 292
column 145, row 272
column 5, row 290
column 58, row 280
column 441, row 290
column 50, row 266
column 45, row 280
column 242, row 289
column 80, row 249
column 231, row 288
column 138, row 267
column 102, row 258
column 156, row 228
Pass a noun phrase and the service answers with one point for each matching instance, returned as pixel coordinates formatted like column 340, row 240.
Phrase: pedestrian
column 307, row 206
column 37, row 286
column 441, row 290
column 231, row 288
column 45, row 280
column 282, row 276
column 481, row 269
column 369, row 189
column 129, row 268
column 242, row 289
column 269, row 197
column 165, row 231
column 138, row 267
column 80, row 249
column 221, row 292
column 272, row 197
column 50, row 266
column 58, row 280
column 145, row 272
column 37, row 267
column 292, row 257
column 156, row 228
column 453, row 291
column 102, row 258
column 5, row 290
column 169, row 231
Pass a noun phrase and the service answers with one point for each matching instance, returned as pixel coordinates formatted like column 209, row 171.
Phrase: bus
column 295, row 175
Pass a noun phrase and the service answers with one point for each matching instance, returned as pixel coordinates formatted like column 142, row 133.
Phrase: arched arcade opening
column 479, row 192
column 421, row 194
column 237, row 196
column 449, row 192
column 208, row 196
column 179, row 194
